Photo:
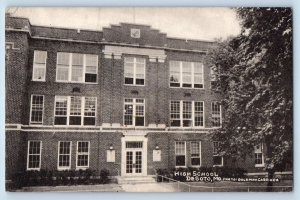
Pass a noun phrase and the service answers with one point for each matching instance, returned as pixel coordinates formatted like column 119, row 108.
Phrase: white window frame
column 213, row 73
column 260, row 150
column 220, row 114
column 88, row 154
column 134, row 104
column 70, row 158
column 134, row 71
column 40, row 155
column 185, row 156
column 181, row 114
column 181, row 75
column 200, row 155
column 39, row 65
column 69, row 110
column 217, row 154
column 70, row 69
column 32, row 122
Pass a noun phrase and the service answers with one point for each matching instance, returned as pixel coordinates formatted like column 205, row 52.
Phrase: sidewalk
column 145, row 187
column 75, row 188
column 148, row 187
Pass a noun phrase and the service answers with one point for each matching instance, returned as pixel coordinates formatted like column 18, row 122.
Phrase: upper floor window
column 186, row 74
column 134, row 112
column 34, row 155
column 134, row 71
column 216, row 114
column 187, row 113
column 259, row 157
column 217, row 158
column 75, row 110
column 213, row 73
column 75, row 67
column 36, row 109
column 39, row 66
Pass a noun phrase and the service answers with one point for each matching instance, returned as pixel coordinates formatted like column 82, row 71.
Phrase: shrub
column 164, row 172
column 51, row 178
column 104, row 173
column 18, row 180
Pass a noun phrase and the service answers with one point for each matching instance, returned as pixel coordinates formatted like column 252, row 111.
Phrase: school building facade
column 128, row 98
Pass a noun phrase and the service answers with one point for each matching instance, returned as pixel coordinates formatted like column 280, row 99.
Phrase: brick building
column 127, row 98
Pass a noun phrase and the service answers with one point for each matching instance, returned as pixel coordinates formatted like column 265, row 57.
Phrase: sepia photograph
column 148, row 99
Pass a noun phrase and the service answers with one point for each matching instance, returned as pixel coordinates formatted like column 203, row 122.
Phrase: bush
column 51, row 178
column 18, row 180
column 104, row 173
column 164, row 172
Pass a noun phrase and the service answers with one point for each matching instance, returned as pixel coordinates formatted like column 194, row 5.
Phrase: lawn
column 226, row 186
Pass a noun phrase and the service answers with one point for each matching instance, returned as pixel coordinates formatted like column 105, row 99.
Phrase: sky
column 189, row 22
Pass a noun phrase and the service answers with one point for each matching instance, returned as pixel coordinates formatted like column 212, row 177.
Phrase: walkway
column 144, row 187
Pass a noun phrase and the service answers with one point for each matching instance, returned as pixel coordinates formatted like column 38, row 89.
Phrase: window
column 80, row 111
column 196, row 153
column 199, row 113
column 36, row 110
column 213, row 73
column 39, row 66
column 259, row 157
column 186, row 74
column 217, row 158
column 134, row 112
column 64, row 155
column 180, row 154
column 134, row 71
column 216, row 114
column 187, row 114
column 82, row 160
column 34, row 155
column 75, row 111
column 90, row 111
column 75, row 67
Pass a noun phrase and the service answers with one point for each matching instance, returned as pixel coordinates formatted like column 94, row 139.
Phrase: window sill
column 134, row 85
column 62, row 169
column 33, row 169
column 81, row 168
column 259, row 165
column 218, row 165
column 71, row 82
column 74, row 126
column 38, row 80
column 186, row 88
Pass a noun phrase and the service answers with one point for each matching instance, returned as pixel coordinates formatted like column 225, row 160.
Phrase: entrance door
column 134, row 155
column 134, row 162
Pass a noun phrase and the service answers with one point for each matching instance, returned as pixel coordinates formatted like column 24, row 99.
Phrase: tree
column 254, row 73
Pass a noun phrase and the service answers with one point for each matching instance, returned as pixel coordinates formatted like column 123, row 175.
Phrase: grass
column 226, row 186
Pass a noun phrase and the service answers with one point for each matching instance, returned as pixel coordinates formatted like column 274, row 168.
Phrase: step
column 135, row 179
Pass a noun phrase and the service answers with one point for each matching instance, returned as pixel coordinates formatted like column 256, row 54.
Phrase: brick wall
column 110, row 92
column 99, row 143
column 16, row 69
column 15, row 149
column 166, row 143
